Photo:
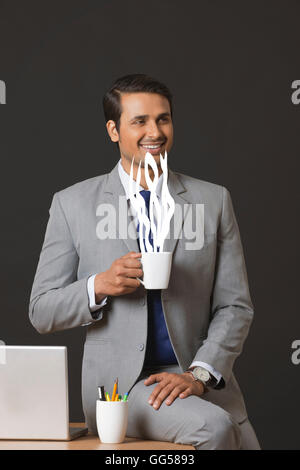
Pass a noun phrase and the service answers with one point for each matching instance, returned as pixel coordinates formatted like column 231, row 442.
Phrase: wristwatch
column 201, row 374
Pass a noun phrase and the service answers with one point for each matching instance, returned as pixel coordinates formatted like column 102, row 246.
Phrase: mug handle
column 140, row 281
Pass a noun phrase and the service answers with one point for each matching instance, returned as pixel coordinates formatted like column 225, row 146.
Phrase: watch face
column 201, row 374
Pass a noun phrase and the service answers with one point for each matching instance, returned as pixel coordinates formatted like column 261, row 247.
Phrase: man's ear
column 112, row 131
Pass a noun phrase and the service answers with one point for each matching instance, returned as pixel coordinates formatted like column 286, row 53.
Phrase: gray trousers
column 190, row 420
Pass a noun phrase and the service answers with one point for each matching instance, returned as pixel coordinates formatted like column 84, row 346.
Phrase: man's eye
column 164, row 119
column 140, row 121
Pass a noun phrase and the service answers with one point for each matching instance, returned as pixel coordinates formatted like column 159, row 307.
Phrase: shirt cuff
column 210, row 369
column 91, row 291
column 94, row 308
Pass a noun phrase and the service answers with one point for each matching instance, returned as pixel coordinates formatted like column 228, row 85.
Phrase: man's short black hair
column 134, row 83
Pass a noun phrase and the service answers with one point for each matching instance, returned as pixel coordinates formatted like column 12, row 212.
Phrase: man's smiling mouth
column 156, row 146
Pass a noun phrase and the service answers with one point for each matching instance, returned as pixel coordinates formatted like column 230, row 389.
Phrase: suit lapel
column 114, row 194
column 177, row 191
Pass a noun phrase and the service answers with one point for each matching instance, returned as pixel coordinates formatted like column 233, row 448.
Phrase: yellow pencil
column 114, row 390
column 107, row 396
column 117, row 396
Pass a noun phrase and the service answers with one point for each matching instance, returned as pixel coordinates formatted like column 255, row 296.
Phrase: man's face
column 145, row 126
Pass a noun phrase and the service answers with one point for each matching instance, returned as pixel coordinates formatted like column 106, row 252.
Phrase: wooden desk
column 91, row 442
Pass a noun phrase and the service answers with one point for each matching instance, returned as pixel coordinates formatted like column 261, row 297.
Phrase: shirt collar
column 125, row 178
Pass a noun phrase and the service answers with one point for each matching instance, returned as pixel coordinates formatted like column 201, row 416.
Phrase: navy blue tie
column 146, row 196
column 159, row 349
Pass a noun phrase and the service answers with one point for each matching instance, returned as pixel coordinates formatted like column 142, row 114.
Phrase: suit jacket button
column 141, row 347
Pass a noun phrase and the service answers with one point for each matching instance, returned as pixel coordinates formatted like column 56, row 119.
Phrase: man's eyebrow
column 144, row 116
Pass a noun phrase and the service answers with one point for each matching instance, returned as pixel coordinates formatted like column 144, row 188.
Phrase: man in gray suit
column 173, row 350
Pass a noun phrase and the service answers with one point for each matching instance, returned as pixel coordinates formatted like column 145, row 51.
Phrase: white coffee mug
column 112, row 419
column 156, row 268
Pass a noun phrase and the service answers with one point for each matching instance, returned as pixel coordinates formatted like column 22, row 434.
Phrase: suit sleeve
column 58, row 300
column 231, row 306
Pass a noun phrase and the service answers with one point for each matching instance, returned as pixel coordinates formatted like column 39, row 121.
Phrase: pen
column 125, row 397
column 107, row 397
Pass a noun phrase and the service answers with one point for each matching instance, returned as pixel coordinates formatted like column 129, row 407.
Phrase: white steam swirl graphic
column 160, row 212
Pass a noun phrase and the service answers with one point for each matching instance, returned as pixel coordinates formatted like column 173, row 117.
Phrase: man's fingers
column 157, row 390
column 132, row 263
column 133, row 272
column 185, row 393
column 168, row 394
column 131, row 260
column 161, row 396
column 130, row 282
column 150, row 380
column 177, row 391
column 132, row 254
column 154, row 378
column 182, row 391
column 128, row 255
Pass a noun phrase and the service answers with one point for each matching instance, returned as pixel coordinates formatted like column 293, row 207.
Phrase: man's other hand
column 171, row 386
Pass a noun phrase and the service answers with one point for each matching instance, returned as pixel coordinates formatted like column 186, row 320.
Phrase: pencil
column 107, row 396
column 114, row 390
column 117, row 396
column 125, row 397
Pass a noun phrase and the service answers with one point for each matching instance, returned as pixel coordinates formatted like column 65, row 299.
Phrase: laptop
column 34, row 394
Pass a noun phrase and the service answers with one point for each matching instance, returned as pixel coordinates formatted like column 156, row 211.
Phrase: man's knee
column 222, row 431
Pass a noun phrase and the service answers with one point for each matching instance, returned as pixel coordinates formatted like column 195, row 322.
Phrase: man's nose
column 153, row 131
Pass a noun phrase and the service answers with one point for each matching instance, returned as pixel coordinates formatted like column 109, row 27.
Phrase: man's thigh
column 190, row 420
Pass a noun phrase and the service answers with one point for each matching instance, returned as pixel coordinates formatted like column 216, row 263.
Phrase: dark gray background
column 230, row 66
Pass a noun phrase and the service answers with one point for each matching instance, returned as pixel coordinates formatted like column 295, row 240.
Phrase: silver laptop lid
column 34, row 392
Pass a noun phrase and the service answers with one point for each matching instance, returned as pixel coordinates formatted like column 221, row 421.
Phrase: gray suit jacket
column 207, row 305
